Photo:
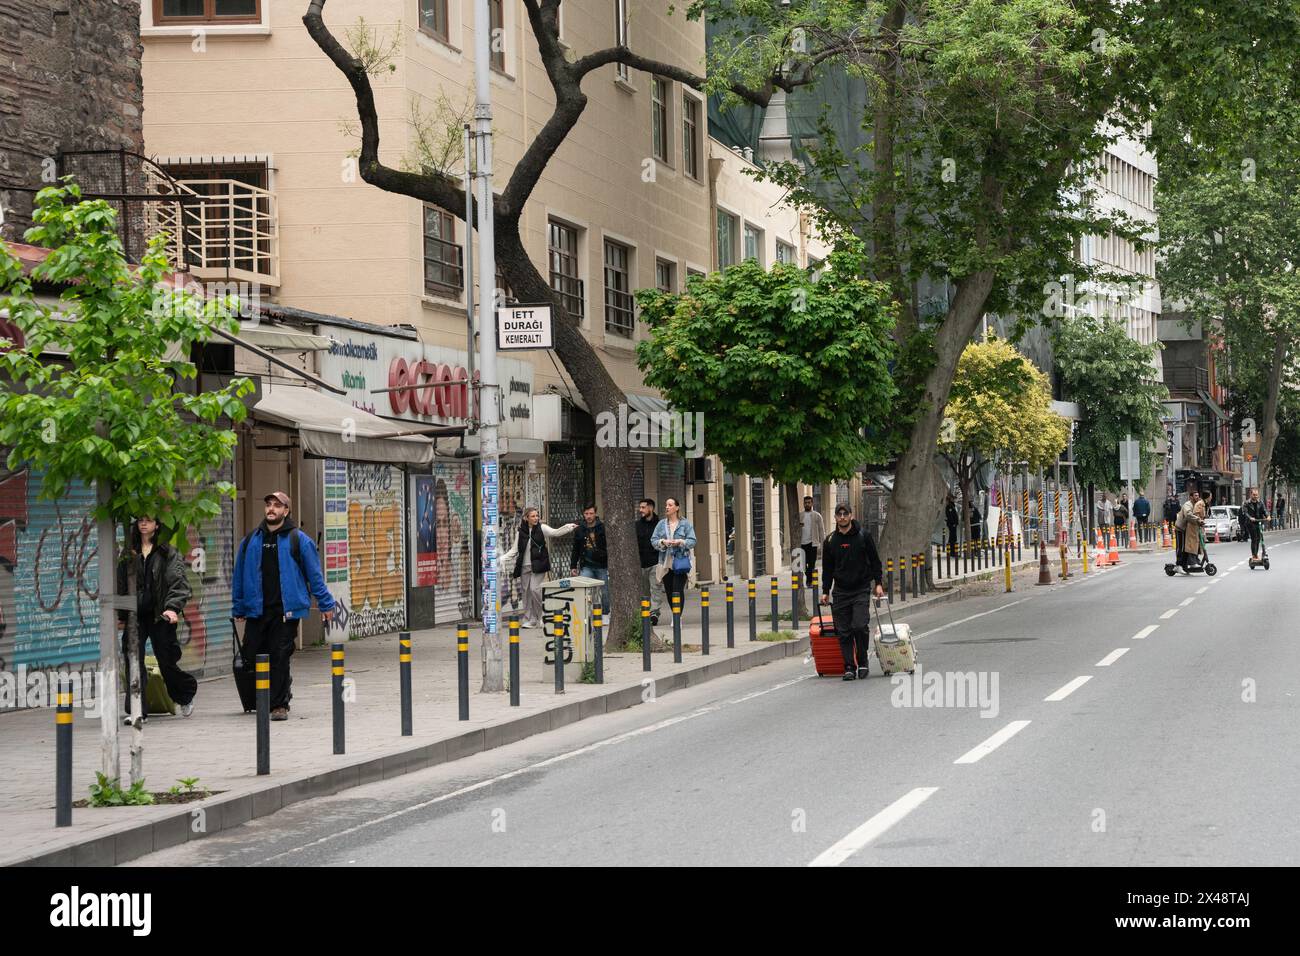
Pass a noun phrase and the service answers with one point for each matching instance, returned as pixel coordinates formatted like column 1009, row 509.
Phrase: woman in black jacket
column 161, row 591
column 532, row 562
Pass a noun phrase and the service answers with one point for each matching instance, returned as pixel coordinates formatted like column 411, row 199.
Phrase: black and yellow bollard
column 889, row 579
column 920, row 563
column 794, row 603
column 262, row 670
column 753, row 610
column 916, row 573
column 677, row 627
column 63, row 755
column 704, row 620
column 731, row 615
column 514, row 660
column 558, row 631
column 902, row 578
column 776, row 610
column 598, row 637
column 336, row 678
column 404, row 680
column 462, row 670
column 645, row 635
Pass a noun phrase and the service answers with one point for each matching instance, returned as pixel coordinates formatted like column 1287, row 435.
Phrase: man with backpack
column 850, row 564
column 277, row 572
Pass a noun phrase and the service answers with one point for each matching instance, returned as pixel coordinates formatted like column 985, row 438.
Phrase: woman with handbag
column 675, row 538
column 532, row 560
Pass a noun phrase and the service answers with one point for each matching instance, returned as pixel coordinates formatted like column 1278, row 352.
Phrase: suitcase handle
column 889, row 609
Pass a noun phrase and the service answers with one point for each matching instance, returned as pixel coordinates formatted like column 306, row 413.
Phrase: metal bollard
column 462, row 669
column 776, row 611
column 704, row 620
column 794, row 604
column 63, row 755
column 902, row 578
column 514, row 660
column 262, row 669
column 645, row 635
column 598, row 635
column 916, row 575
column 336, row 693
column 558, row 621
column 921, row 558
column 889, row 579
column 731, row 615
column 677, row 627
column 753, row 610
column 404, row 679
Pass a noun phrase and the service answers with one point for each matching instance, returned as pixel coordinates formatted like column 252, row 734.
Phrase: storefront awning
column 1213, row 405
column 273, row 337
column 322, row 420
column 646, row 404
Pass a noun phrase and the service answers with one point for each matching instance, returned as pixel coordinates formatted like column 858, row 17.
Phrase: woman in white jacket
column 532, row 562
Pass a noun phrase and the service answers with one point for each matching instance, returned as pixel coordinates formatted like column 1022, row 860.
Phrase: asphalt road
column 1116, row 733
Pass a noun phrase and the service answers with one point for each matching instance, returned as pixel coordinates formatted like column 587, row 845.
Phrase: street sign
column 524, row 327
column 1130, row 461
column 1250, row 474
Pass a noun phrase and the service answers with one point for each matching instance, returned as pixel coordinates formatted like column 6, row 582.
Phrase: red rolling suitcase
column 825, row 647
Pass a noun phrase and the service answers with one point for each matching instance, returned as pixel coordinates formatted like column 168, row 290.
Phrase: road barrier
column 514, row 659
column 462, row 669
column 1044, row 570
column 598, row 636
column 336, row 695
column 677, row 624
column 645, row 635
column 776, row 610
column 63, row 755
column 753, row 610
column 558, row 622
column 704, row 618
column 404, row 680
column 731, row 614
column 262, row 670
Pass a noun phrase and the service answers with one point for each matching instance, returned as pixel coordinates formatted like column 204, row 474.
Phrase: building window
column 785, row 252
column 497, row 18
column 726, row 239
column 753, row 243
column 620, row 36
column 443, row 262
column 505, row 294
column 235, row 226
column 564, row 268
column 691, row 136
column 665, row 276
column 618, row 289
column 434, row 19
column 815, row 268
column 659, row 117
column 206, row 11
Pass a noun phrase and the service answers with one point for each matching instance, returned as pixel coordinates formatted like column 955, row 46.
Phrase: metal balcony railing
column 1187, row 379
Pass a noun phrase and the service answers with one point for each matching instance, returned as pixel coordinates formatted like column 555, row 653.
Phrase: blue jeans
column 587, row 571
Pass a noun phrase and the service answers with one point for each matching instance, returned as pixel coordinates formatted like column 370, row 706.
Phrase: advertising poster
column 426, row 543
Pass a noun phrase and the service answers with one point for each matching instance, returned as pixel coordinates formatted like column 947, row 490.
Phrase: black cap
column 843, row 510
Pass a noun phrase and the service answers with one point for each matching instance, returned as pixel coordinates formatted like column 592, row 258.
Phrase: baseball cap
column 843, row 510
column 279, row 496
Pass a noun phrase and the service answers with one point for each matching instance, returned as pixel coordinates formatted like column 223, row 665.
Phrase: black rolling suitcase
column 243, row 670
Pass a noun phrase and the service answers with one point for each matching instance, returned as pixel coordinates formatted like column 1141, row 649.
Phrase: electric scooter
column 1205, row 564
column 1262, row 560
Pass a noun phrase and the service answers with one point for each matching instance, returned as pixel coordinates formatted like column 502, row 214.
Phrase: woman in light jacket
column 675, row 538
column 532, row 562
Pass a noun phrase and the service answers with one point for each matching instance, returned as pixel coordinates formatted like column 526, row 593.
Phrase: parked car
column 1224, row 519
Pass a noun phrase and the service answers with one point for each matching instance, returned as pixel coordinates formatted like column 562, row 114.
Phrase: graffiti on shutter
column 453, row 508
column 376, row 549
column 335, row 561
column 204, row 631
column 758, row 510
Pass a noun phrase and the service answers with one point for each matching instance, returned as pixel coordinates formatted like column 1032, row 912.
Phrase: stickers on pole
column 524, row 327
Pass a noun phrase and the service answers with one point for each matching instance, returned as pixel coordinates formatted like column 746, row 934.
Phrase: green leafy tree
column 792, row 375
column 1000, row 408
column 1111, row 377
column 92, row 394
column 963, row 157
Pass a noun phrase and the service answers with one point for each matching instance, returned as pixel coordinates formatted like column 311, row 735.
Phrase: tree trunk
column 134, row 640
column 918, row 483
column 794, row 512
column 1269, row 428
column 110, row 704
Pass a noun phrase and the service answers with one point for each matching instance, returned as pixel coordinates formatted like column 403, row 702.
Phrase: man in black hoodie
column 651, row 586
column 851, row 564
column 590, row 555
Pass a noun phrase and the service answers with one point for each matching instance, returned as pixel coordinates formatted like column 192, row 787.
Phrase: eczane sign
column 524, row 327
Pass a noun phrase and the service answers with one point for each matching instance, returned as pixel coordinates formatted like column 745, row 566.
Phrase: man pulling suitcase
column 850, row 565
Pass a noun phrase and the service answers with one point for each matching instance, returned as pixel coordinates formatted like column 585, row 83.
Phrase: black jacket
column 1254, row 509
column 850, row 561
column 645, row 528
column 170, row 586
column 539, row 557
column 950, row 516
column 1171, row 508
column 589, row 546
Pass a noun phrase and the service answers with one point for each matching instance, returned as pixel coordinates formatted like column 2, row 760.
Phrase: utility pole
column 489, row 393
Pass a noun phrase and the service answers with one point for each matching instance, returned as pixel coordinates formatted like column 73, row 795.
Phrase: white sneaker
column 187, row 709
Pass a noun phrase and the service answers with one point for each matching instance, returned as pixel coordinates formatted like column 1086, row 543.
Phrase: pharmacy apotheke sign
column 524, row 327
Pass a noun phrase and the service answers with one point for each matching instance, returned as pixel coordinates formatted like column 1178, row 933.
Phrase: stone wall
column 69, row 80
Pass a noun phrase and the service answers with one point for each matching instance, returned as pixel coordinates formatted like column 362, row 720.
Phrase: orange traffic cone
column 1165, row 545
column 1113, row 557
column 1100, row 549
column 1132, row 534
column 1216, row 535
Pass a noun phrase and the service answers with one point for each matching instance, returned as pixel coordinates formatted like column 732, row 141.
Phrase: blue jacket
column 246, row 588
column 685, row 531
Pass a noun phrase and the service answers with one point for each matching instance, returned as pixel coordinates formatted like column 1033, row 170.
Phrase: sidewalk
column 218, row 743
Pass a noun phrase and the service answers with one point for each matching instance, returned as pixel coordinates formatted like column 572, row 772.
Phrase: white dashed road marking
column 1068, row 689
column 993, row 743
column 874, row 827
column 1113, row 656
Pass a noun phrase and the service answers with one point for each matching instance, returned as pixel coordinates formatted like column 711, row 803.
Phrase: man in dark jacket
column 275, row 579
column 590, row 554
column 1254, row 515
column 951, row 518
column 1172, row 506
column 651, row 586
column 1141, row 511
column 851, row 564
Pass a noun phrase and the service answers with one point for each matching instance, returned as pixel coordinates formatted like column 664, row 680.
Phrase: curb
column 226, row 812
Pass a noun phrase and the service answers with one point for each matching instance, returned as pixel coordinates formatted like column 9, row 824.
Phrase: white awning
column 331, row 428
column 273, row 337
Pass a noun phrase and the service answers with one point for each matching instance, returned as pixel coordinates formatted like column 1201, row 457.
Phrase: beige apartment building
column 361, row 287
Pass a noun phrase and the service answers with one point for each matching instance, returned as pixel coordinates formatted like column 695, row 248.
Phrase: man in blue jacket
column 277, row 572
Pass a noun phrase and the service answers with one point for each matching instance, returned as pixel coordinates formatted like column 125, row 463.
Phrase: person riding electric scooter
column 1189, row 531
column 1253, row 516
